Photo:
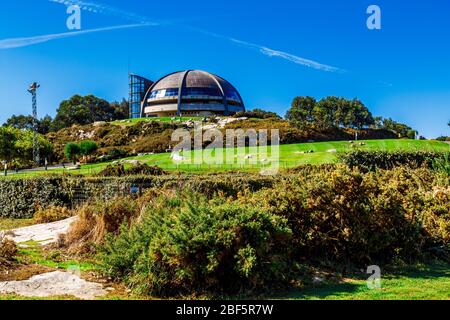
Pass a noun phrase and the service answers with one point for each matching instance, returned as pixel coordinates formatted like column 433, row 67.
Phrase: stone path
column 51, row 284
column 44, row 234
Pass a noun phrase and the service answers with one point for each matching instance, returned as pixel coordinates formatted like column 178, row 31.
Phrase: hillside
column 291, row 155
column 132, row 137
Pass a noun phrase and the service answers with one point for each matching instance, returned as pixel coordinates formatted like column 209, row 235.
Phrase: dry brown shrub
column 96, row 220
column 52, row 214
column 8, row 251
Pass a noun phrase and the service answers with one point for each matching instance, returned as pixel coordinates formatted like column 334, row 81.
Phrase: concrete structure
column 191, row 93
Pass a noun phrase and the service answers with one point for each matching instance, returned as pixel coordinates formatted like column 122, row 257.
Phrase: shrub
column 52, row 214
column 72, row 151
column 171, row 243
column 88, row 147
column 8, row 251
column 186, row 244
column 442, row 164
column 97, row 219
column 20, row 198
column 372, row 160
column 348, row 216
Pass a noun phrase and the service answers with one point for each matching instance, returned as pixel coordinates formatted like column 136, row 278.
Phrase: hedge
column 372, row 160
column 21, row 198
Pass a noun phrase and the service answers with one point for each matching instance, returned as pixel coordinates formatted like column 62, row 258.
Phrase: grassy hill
column 289, row 156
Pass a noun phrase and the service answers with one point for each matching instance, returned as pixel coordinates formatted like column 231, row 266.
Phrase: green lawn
column 430, row 282
column 289, row 156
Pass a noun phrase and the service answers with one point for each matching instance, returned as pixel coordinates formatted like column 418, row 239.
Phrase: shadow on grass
column 395, row 284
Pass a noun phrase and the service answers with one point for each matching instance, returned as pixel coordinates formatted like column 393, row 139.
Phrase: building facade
column 189, row 93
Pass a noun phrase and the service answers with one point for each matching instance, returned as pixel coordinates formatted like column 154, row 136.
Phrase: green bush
column 255, row 239
column 348, row 216
column 88, row 147
column 21, row 198
column 186, row 244
column 372, row 160
column 72, row 151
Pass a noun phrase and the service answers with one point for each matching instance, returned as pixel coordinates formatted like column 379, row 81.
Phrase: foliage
column 8, row 139
column 372, row 160
column 85, row 110
column 27, row 123
column 257, row 114
column 52, row 214
column 16, row 146
column 88, row 147
column 97, row 219
column 330, row 112
column 72, row 151
column 442, row 164
column 402, row 130
column 20, row 198
column 185, row 244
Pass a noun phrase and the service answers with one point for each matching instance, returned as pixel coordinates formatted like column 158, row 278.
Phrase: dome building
column 191, row 93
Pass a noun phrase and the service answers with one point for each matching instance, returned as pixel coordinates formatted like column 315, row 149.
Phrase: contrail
column 108, row 10
column 24, row 42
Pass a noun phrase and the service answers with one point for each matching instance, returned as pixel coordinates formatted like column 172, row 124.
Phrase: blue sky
column 401, row 71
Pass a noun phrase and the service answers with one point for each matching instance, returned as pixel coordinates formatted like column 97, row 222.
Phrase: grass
column 10, row 224
column 289, row 156
column 33, row 253
column 426, row 282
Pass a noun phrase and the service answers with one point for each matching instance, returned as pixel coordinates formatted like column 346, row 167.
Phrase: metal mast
column 33, row 88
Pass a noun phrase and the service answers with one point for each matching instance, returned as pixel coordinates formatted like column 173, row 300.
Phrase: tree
column 121, row 110
column 20, row 122
column 72, row 151
column 361, row 115
column 8, row 139
column 324, row 113
column 45, row 125
column 82, row 110
column 301, row 112
column 27, row 123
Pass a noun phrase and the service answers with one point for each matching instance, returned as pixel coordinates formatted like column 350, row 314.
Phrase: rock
column 43, row 233
column 177, row 157
column 133, row 162
column 56, row 283
column 332, row 151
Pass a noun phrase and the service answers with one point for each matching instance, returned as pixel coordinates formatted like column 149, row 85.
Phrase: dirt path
column 49, row 284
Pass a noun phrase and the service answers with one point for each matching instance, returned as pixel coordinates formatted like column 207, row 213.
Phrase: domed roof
column 197, row 79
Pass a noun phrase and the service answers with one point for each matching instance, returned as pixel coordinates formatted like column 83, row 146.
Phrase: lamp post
column 33, row 88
